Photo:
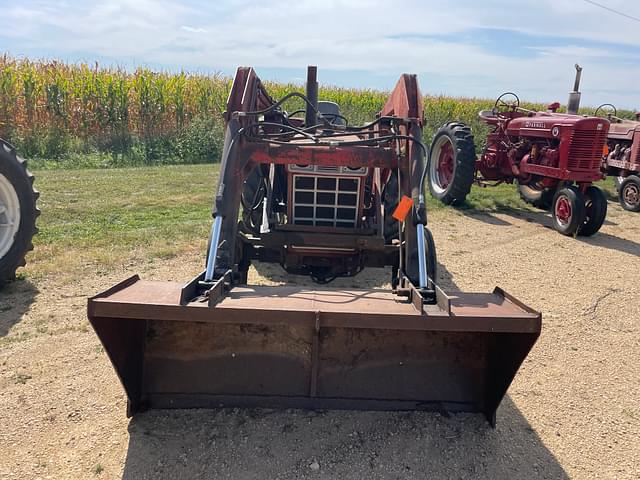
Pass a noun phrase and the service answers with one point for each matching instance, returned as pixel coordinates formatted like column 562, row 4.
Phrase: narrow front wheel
column 568, row 210
column 595, row 211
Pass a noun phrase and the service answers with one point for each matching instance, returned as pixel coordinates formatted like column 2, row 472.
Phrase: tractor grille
column 585, row 151
column 326, row 201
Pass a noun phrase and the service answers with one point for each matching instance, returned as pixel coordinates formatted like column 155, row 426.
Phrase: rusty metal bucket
column 312, row 348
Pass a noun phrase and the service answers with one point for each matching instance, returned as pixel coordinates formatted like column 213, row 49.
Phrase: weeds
column 21, row 378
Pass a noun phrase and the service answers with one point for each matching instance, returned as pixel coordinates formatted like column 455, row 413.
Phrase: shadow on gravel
column 544, row 219
column 486, row 217
column 605, row 240
column 295, row 444
column 15, row 299
column 532, row 216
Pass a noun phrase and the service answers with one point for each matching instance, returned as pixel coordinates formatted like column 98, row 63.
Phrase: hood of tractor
column 624, row 130
column 553, row 125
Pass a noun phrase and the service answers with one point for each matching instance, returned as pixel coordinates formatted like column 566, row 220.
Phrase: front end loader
column 322, row 198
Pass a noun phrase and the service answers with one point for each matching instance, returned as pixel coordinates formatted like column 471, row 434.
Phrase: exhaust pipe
column 311, row 118
column 574, row 97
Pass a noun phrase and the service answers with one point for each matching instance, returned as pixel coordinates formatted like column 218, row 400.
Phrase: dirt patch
column 573, row 410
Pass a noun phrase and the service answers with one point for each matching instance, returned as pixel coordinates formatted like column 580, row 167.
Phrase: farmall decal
column 534, row 125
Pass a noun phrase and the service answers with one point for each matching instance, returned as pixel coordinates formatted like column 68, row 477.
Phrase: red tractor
column 553, row 157
column 622, row 156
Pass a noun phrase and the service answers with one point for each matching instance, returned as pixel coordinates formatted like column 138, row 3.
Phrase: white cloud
column 432, row 38
column 189, row 29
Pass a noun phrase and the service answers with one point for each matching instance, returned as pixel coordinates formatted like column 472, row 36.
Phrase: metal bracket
column 315, row 354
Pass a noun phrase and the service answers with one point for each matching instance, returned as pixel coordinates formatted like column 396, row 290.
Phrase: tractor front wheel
column 452, row 163
column 432, row 260
column 568, row 210
column 595, row 211
column 629, row 193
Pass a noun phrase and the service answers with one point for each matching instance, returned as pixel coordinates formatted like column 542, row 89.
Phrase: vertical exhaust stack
column 574, row 97
column 311, row 118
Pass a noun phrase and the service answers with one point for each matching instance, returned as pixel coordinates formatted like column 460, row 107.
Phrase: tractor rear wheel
column 537, row 196
column 452, row 163
column 568, row 210
column 18, row 211
column 630, row 193
column 595, row 211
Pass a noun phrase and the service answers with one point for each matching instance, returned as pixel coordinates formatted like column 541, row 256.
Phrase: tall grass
column 79, row 114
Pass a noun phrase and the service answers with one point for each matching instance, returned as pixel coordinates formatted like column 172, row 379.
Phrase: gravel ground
column 573, row 410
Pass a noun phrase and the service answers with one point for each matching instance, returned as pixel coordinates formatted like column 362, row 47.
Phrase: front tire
column 18, row 212
column 595, row 211
column 432, row 261
column 452, row 163
column 568, row 210
column 629, row 193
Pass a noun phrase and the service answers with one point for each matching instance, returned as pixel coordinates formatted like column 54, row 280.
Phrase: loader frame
column 216, row 341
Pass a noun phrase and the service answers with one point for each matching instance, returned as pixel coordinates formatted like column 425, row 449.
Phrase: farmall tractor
column 326, row 199
column 18, row 211
column 622, row 156
column 553, row 157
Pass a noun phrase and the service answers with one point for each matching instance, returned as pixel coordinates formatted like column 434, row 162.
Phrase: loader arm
column 402, row 114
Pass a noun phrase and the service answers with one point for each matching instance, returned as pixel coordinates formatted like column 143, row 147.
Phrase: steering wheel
column 607, row 109
column 507, row 102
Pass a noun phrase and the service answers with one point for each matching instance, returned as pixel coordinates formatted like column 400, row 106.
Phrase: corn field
column 63, row 114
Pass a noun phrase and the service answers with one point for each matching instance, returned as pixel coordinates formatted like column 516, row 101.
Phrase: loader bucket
column 301, row 347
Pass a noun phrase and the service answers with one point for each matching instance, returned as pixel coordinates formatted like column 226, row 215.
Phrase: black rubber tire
column 632, row 181
column 390, row 202
column 538, row 198
column 595, row 211
column 14, row 168
column 464, row 159
column 252, row 218
column 576, row 199
column 432, row 260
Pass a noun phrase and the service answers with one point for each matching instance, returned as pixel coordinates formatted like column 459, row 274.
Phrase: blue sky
column 462, row 47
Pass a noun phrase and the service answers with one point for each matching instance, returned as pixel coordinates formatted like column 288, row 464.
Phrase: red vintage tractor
column 622, row 156
column 553, row 157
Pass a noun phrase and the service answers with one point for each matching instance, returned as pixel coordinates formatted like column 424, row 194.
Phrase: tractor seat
column 487, row 115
